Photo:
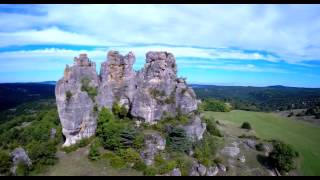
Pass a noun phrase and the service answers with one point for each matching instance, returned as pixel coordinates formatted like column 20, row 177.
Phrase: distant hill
column 269, row 98
column 14, row 94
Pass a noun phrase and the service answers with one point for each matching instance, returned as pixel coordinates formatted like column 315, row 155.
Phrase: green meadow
column 303, row 136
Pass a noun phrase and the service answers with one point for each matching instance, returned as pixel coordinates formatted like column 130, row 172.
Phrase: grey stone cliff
column 149, row 94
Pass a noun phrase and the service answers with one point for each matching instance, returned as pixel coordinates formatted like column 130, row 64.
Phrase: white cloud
column 287, row 30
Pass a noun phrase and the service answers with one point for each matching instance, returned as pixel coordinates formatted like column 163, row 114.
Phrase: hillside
column 305, row 137
column 270, row 98
column 14, row 94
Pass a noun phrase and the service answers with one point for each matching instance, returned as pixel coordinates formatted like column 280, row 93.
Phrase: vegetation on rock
column 92, row 91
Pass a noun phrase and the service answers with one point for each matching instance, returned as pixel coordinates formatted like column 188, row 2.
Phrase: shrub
column 139, row 166
column 205, row 150
column 69, row 149
column 260, row 147
column 246, row 125
column 22, row 169
column 290, row 114
column 84, row 142
column 94, row 153
column 117, row 162
column 184, row 163
column 130, row 156
column 120, row 111
column 178, row 141
column 5, row 162
column 167, row 167
column 117, row 134
column 214, row 105
column 150, row 171
column 282, row 156
column 217, row 160
column 212, row 127
column 91, row 91
column 68, row 95
column 155, row 94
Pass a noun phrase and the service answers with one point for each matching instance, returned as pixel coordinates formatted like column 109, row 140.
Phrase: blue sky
column 249, row 45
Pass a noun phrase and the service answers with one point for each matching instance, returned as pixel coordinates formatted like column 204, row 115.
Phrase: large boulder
column 154, row 144
column 195, row 129
column 19, row 155
column 76, row 100
column 198, row 170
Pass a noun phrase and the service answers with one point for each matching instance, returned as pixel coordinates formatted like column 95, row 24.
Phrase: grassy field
column 304, row 137
column 77, row 164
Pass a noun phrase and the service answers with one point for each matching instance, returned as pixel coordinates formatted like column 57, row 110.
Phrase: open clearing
column 303, row 136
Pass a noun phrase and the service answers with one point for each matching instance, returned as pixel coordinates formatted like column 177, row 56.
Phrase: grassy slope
column 304, row 137
column 77, row 164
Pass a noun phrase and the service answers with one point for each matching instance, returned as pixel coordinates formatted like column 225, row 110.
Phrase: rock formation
column 19, row 155
column 75, row 99
column 149, row 95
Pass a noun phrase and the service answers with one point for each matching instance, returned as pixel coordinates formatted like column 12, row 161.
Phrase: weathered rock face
column 117, row 80
column 195, row 129
column 154, row 143
column 75, row 100
column 19, row 155
column 149, row 94
column 159, row 91
column 198, row 170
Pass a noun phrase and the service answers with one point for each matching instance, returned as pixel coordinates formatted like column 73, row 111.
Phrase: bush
column 130, row 156
column 91, row 91
column 282, row 156
column 184, row 163
column 205, row 150
column 246, row 125
column 167, row 167
column 94, row 153
column 117, row 162
column 214, row 105
column 84, row 142
column 120, row 111
column 5, row 162
column 150, row 171
column 71, row 148
column 140, row 166
column 68, row 95
column 178, row 141
column 260, row 147
column 212, row 127
column 22, row 169
column 117, row 134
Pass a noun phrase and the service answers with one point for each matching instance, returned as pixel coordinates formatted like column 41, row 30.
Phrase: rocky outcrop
column 154, row 143
column 212, row 171
column 159, row 91
column 75, row 97
column 198, row 170
column 18, row 156
column 149, row 94
column 118, row 82
column 195, row 129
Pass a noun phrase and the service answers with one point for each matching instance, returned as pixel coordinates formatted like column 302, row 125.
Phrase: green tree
column 5, row 162
column 282, row 156
column 178, row 141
